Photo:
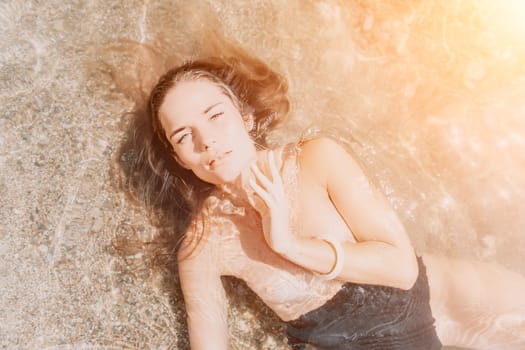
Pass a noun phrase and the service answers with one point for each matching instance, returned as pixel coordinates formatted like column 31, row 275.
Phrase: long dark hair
column 149, row 173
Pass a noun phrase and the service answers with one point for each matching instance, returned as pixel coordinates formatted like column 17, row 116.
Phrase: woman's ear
column 249, row 122
column 248, row 118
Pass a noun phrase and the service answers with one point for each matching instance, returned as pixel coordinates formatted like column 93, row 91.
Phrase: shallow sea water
column 429, row 95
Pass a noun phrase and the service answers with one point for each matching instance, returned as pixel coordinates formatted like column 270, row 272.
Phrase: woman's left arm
column 383, row 253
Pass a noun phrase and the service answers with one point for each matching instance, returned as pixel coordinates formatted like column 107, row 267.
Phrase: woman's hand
column 275, row 219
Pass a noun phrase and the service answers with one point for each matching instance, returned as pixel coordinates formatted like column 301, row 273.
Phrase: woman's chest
column 288, row 289
column 312, row 213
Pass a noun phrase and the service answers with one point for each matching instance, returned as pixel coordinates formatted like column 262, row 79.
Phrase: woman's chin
column 229, row 180
column 228, row 177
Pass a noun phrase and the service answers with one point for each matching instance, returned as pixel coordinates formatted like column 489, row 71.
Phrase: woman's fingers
column 261, row 192
column 273, row 167
column 260, row 176
column 267, row 189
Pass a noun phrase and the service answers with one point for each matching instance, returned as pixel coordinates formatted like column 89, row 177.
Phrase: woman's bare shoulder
column 197, row 244
column 318, row 146
column 316, row 154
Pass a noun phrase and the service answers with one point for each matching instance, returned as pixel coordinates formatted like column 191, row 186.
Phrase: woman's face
column 207, row 131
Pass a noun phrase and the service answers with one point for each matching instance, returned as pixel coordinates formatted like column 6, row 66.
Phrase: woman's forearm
column 208, row 339
column 370, row 262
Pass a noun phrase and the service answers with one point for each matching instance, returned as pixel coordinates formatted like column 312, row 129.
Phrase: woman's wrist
column 337, row 265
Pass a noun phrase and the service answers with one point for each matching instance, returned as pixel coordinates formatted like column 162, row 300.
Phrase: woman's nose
column 208, row 142
column 207, row 138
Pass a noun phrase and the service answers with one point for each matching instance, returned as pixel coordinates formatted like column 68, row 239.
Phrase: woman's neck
column 240, row 188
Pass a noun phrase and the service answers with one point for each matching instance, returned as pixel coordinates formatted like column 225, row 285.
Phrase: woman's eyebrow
column 210, row 107
column 203, row 112
column 176, row 131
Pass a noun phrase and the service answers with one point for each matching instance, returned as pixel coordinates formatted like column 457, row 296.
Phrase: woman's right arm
column 204, row 298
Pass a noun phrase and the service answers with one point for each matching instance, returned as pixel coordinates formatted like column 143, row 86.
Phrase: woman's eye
column 181, row 139
column 216, row 115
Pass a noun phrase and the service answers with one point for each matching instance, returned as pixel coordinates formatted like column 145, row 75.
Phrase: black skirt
column 369, row 317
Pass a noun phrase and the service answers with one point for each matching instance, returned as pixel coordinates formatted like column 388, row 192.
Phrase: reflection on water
column 430, row 95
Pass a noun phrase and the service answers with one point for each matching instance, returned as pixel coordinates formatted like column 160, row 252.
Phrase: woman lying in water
column 302, row 226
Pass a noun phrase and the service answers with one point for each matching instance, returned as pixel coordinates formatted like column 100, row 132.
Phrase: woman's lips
column 214, row 162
